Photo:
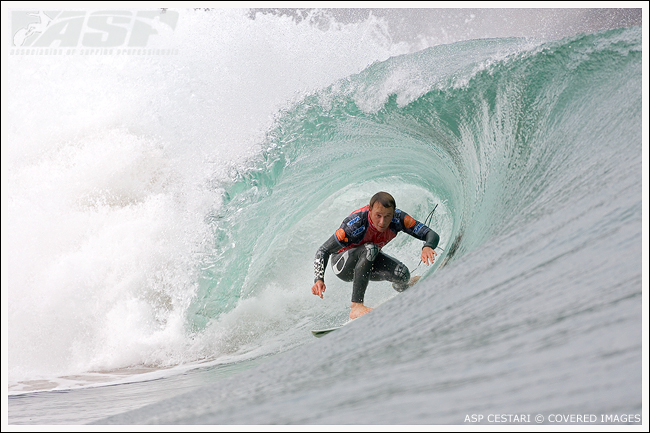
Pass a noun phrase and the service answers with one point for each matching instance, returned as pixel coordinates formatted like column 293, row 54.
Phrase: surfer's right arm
column 323, row 254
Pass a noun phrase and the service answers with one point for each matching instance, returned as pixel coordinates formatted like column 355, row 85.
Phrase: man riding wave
column 356, row 250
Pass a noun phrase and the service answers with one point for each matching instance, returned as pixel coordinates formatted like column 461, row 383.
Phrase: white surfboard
column 320, row 332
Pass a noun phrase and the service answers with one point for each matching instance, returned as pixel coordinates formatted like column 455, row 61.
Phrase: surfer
column 356, row 250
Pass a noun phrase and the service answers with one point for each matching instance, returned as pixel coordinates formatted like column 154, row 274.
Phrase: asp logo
column 100, row 29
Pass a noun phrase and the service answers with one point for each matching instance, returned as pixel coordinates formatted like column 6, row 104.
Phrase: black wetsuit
column 357, row 257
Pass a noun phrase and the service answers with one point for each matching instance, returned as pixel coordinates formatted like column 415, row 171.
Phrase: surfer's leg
column 366, row 258
column 387, row 268
column 343, row 264
column 356, row 265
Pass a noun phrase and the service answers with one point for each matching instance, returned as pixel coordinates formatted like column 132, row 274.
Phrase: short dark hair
column 384, row 198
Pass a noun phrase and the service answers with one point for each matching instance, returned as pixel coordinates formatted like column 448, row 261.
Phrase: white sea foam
column 112, row 163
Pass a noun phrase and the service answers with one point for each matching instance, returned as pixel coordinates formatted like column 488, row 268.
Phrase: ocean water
column 162, row 214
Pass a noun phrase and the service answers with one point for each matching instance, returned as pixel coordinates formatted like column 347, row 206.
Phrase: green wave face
column 497, row 133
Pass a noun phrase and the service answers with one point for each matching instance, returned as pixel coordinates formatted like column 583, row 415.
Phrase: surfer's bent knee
column 372, row 250
column 402, row 275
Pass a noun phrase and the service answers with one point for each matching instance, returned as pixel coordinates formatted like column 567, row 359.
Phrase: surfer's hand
column 318, row 288
column 428, row 255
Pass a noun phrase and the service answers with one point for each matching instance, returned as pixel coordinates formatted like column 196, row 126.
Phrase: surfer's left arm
column 429, row 249
column 420, row 231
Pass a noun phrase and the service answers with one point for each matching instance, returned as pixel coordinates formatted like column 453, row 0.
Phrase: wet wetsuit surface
column 356, row 249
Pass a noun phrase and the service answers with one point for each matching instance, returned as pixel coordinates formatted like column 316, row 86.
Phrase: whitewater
column 161, row 214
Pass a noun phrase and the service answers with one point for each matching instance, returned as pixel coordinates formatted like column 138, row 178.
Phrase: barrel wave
column 530, row 153
column 500, row 134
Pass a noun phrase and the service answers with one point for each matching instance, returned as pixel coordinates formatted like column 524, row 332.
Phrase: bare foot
column 414, row 280
column 358, row 310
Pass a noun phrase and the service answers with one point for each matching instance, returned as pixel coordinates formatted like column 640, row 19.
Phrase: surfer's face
column 381, row 216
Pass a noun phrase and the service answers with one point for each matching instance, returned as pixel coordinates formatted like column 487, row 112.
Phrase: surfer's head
column 382, row 208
